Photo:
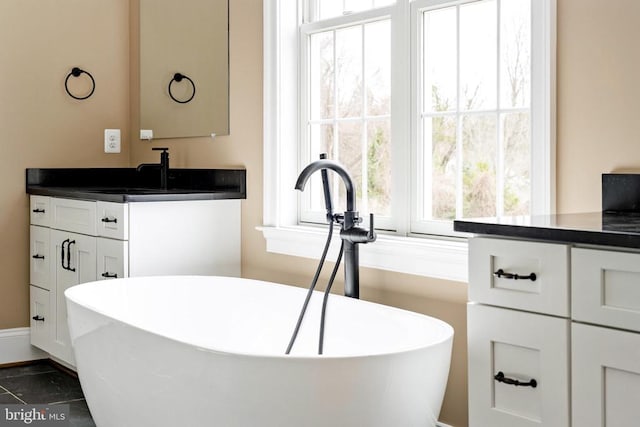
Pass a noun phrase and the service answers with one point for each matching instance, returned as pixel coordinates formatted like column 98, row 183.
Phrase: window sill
column 430, row 257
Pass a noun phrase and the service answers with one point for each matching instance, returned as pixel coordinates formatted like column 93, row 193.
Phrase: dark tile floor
column 44, row 383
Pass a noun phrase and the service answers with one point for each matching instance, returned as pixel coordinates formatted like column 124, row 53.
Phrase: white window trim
column 437, row 258
column 442, row 258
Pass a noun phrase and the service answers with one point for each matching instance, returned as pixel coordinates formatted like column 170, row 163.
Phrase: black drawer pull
column 38, row 210
column 501, row 274
column 64, row 242
column 107, row 219
column 36, row 256
column 502, row 379
column 67, row 242
column 73, row 242
column 38, row 318
column 108, row 275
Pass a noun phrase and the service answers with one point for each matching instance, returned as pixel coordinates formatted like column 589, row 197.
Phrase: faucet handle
column 371, row 235
column 360, row 235
column 163, row 149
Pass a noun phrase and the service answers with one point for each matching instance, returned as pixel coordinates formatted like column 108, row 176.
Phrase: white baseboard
column 15, row 346
column 439, row 424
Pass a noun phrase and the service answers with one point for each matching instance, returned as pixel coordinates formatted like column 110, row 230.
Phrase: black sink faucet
column 350, row 233
column 163, row 166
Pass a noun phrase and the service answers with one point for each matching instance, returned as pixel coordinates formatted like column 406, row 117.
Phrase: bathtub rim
column 447, row 333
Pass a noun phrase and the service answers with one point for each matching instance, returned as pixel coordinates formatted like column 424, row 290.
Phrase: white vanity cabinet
column 575, row 330
column 77, row 241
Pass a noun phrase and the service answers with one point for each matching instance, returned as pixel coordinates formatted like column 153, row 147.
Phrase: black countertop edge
column 129, row 185
column 123, row 197
column 551, row 233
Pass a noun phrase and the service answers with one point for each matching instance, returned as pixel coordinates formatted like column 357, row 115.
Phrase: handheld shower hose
column 331, row 219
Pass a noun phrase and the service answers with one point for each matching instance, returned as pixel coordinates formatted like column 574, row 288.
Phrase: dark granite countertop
column 128, row 185
column 595, row 228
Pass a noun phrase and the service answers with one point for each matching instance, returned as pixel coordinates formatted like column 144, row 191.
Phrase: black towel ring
column 75, row 72
column 177, row 77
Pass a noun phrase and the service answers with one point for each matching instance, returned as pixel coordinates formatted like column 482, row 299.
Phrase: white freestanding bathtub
column 209, row 351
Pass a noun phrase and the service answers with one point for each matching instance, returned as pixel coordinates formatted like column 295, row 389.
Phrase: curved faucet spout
column 339, row 169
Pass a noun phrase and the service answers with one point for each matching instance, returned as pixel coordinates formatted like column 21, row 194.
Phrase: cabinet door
column 605, row 383
column 39, row 262
column 113, row 259
column 40, row 318
column 507, row 346
column 75, row 262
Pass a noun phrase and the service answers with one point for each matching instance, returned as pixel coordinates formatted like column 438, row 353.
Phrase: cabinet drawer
column 606, row 377
column 39, row 210
column 521, row 346
column 605, row 287
column 41, row 320
column 113, row 220
column 113, row 259
column 78, row 216
column 530, row 276
column 39, row 262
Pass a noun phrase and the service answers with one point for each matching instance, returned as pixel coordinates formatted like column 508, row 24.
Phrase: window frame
column 306, row 30
column 425, row 255
column 542, row 110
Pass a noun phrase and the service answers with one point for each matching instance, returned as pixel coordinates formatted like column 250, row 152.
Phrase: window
column 346, row 99
column 439, row 109
column 474, row 111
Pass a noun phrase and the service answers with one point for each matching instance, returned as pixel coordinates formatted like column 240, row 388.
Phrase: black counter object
column 123, row 185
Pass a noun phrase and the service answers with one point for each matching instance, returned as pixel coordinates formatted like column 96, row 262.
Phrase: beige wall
column 598, row 65
column 598, row 97
column 40, row 125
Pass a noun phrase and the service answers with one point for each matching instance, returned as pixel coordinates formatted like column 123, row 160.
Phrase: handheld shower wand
column 327, row 191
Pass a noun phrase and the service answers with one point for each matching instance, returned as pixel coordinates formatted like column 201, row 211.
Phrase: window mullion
column 499, row 125
column 336, row 128
column 364, row 185
column 402, row 119
column 426, row 167
column 459, row 145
